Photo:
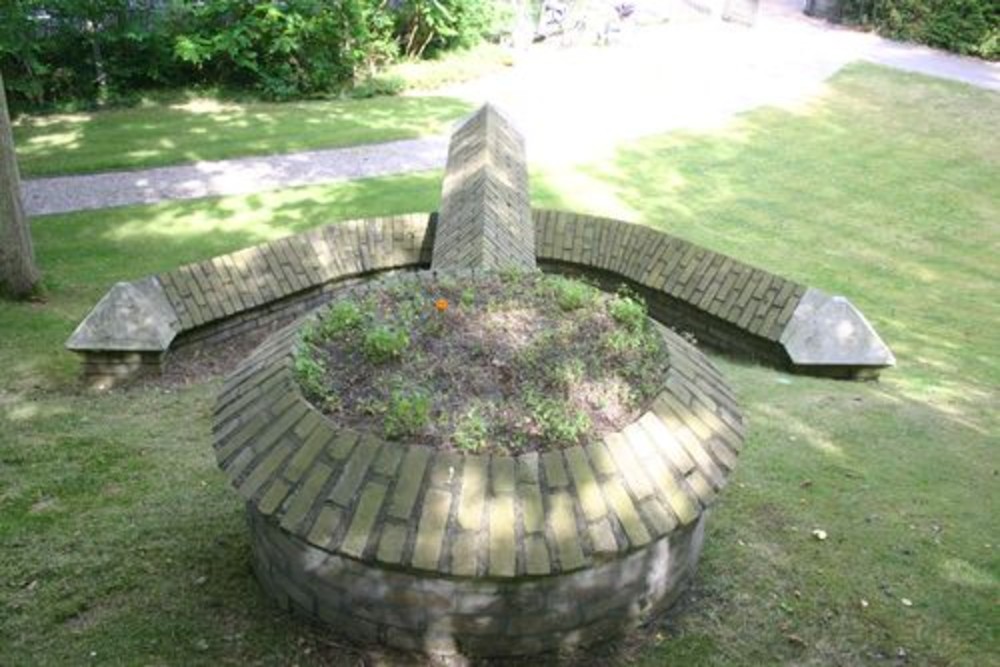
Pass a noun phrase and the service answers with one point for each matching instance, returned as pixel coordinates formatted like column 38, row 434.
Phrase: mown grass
column 121, row 543
column 164, row 133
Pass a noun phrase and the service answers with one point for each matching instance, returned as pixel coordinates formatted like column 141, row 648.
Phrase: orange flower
column 441, row 305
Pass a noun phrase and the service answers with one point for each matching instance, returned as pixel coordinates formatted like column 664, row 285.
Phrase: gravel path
column 572, row 105
column 62, row 194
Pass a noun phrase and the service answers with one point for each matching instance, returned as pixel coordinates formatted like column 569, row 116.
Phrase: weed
column 628, row 311
column 342, row 317
column 311, row 373
column 468, row 298
column 571, row 294
column 569, row 373
column 558, row 423
column 472, row 430
column 407, row 413
column 383, row 344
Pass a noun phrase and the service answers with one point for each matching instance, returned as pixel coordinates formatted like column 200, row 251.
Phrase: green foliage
column 558, row 422
column 407, row 413
column 472, row 430
column 97, row 51
column 293, row 49
column 970, row 27
column 384, row 343
column 571, row 294
column 310, row 372
column 628, row 312
column 429, row 27
column 342, row 317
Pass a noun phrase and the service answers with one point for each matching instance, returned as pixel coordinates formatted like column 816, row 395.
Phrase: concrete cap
column 828, row 330
column 133, row 316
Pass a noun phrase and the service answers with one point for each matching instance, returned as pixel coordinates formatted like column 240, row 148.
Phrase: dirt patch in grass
column 511, row 362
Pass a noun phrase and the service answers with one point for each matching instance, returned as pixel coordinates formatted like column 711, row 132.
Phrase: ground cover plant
column 121, row 542
column 508, row 363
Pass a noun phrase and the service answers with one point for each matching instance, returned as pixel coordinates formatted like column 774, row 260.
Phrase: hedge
column 969, row 27
column 86, row 52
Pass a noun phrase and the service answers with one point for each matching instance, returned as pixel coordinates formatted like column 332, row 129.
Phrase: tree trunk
column 18, row 273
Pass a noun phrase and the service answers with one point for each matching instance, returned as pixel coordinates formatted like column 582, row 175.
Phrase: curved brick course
column 725, row 303
column 578, row 523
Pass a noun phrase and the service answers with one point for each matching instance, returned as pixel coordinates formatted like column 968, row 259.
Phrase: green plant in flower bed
column 385, row 343
column 407, row 413
column 506, row 362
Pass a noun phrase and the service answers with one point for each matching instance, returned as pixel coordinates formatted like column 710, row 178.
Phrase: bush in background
column 89, row 52
column 969, row 27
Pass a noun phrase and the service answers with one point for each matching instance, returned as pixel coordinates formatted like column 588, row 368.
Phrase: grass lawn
column 120, row 542
column 162, row 133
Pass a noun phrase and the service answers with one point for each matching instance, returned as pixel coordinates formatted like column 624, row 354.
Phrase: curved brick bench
column 445, row 552
column 725, row 303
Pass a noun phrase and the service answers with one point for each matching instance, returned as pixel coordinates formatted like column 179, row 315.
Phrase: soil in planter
column 506, row 363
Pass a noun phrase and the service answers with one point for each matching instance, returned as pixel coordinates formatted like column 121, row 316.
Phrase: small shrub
column 311, row 374
column 472, row 431
column 628, row 312
column 384, row 343
column 572, row 294
column 557, row 422
column 407, row 413
column 342, row 317
column 568, row 374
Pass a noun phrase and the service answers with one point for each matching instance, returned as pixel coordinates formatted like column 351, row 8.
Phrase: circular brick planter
column 446, row 552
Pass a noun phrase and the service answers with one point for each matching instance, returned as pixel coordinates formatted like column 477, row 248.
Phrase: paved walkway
column 572, row 105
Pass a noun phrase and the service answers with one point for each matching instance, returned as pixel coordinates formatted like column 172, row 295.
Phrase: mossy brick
column 305, row 496
column 473, row 494
column 465, row 554
column 306, row 454
column 239, row 437
column 600, row 458
column 661, row 440
column 628, row 465
column 388, row 459
column 307, row 424
column 683, row 504
column 503, row 552
column 699, row 455
column 354, row 471
column 264, row 470
column 360, row 529
column 527, row 468
column 657, row 516
column 562, row 524
column 536, row 555
column 409, row 481
column 502, row 474
column 702, row 487
column 555, row 470
column 602, row 538
column 285, row 419
column 431, row 529
column 327, row 522
column 343, row 444
column 392, row 543
column 585, row 484
column 626, row 512
column 446, row 467
column 273, row 496
column 700, row 429
column 532, row 510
